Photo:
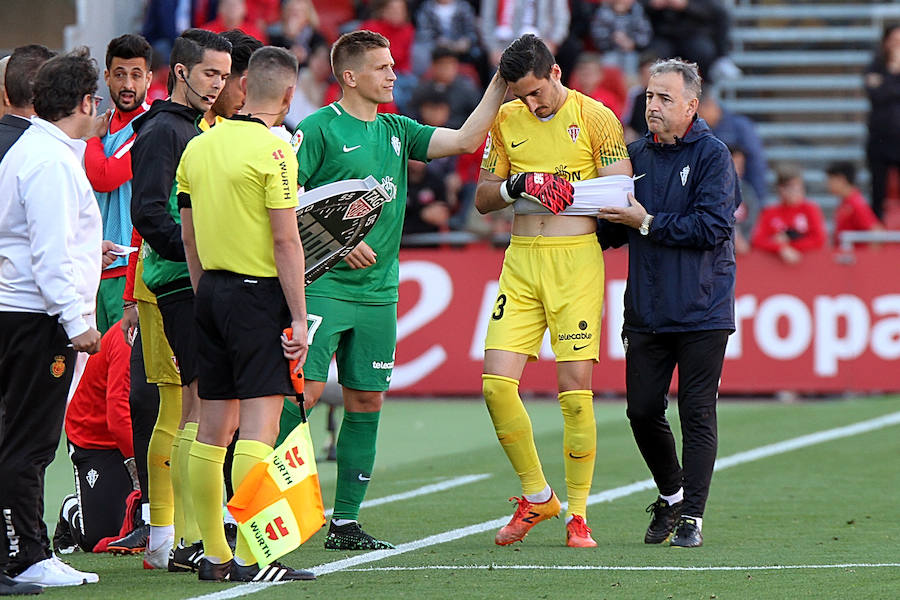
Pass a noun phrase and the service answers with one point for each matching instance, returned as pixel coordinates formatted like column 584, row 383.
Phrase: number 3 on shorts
column 312, row 325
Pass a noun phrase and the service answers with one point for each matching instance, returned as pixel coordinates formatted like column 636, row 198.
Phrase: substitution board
column 334, row 218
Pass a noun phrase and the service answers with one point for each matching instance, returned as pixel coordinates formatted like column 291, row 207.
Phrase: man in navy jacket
column 679, row 299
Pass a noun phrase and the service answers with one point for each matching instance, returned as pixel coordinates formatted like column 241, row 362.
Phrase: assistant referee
column 237, row 195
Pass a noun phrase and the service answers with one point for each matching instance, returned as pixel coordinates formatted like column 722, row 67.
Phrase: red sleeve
column 136, row 240
column 815, row 238
column 106, row 173
column 863, row 217
column 762, row 234
column 118, row 386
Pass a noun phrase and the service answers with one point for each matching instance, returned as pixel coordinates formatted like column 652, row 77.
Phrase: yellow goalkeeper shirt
column 582, row 137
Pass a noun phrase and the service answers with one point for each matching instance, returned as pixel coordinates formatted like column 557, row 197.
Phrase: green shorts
column 109, row 302
column 362, row 337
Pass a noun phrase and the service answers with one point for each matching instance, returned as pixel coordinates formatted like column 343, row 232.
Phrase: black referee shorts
column 177, row 312
column 239, row 323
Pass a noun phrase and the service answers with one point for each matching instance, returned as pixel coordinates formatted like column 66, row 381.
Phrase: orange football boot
column 527, row 515
column 578, row 534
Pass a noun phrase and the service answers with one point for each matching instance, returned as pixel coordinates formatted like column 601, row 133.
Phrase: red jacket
column 99, row 417
column 803, row 223
column 854, row 214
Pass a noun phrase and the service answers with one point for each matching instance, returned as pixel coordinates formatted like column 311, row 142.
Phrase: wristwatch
column 645, row 224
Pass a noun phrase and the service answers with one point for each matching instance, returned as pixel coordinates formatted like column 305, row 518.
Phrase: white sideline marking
column 425, row 489
column 606, row 496
column 615, row 568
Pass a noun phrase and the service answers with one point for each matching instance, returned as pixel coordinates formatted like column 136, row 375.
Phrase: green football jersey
column 333, row 146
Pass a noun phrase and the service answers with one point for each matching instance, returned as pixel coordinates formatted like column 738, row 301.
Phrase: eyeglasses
column 97, row 100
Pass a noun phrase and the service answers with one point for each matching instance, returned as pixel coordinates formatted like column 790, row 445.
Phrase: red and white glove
column 551, row 191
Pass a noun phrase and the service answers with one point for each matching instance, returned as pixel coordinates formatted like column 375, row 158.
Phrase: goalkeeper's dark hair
column 242, row 47
column 527, row 54
column 129, row 46
column 189, row 47
column 351, row 46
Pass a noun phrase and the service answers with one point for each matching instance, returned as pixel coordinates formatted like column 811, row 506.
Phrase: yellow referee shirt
column 582, row 137
column 234, row 173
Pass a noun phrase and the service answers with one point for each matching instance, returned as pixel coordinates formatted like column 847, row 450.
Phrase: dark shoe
column 352, row 537
column 63, row 542
column 274, row 571
column 662, row 525
column 231, row 532
column 133, row 543
column 8, row 587
column 186, row 558
column 687, row 535
column 331, row 453
column 210, row 571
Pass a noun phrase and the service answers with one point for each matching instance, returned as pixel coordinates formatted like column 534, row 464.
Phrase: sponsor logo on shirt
column 565, row 173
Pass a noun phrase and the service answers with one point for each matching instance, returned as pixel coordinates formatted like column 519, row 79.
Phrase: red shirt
column 107, row 173
column 803, row 222
column 401, row 39
column 854, row 214
column 99, row 417
column 217, row 26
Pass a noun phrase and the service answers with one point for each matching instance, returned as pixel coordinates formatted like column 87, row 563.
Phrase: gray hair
column 689, row 73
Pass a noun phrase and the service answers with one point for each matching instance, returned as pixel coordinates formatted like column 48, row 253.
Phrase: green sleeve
column 418, row 137
column 309, row 143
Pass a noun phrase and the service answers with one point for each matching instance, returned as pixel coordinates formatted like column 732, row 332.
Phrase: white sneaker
column 48, row 573
column 65, row 567
column 158, row 558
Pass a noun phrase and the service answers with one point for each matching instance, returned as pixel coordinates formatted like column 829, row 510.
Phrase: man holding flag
column 238, row 181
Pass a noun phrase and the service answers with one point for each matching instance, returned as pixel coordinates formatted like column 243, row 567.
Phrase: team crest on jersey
column 684, row 175
column 58, row 366
column 296, row 140
column 389, row 186
column 395, row 142
column 574, row 130
column 92, row 477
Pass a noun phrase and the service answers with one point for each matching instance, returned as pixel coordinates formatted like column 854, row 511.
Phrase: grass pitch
column 775, row 526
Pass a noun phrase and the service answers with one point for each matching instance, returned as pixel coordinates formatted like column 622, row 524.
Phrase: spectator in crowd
column 232, row 14
column 633, row 119
column 853, row 213
column 502, row 21
column 159, row 82
column 391, row 19
column 794, row 225
column 446, row 23
column 98, row 429
column 746, row 214
column 312, row 84
column 262, row 13
column 620, row 29
column 50, row 238
column 444, row 78
column 696, row 30
column 604, row 83
column 164, row 20
column 737, row 130
column 427, row 210
column 297, row 30
column 434, row 110
column 882, row 82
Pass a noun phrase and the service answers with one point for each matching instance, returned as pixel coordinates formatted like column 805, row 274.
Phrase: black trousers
column 103, row 485
column 879, row 166
column 36, row 367
column 143, row 400
column 650, row 360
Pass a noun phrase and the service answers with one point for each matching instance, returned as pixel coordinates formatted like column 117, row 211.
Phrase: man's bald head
column 270, row 73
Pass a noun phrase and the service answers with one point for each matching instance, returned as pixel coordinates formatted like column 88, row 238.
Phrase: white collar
column 77, row 146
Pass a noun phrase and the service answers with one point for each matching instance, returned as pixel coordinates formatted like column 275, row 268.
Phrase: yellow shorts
column 159, row 360
column 554, row 282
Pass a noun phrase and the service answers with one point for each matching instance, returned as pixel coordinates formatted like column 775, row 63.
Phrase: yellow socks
column 181, row 486
column 579, row 446
column 159, row 480
column 513, row 427
column 247, row 454
column 205, row 474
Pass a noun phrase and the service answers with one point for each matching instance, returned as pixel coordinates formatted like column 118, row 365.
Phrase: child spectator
column 297, row 30
column 794, row 225
column 854, row 213
column 392, row 21
column 444, row 78
column 426, row 206
column 619, row 30
column 446, row 23
column 604, row 83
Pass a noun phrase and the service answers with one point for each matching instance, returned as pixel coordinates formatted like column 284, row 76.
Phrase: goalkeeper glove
column 553, row 192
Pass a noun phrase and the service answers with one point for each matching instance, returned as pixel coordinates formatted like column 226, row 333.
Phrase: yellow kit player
column 552, row 274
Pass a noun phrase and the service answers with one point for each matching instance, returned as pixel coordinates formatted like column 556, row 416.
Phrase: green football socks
column 355, row 459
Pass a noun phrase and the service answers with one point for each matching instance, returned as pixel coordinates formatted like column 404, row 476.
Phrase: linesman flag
column 279, row 504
